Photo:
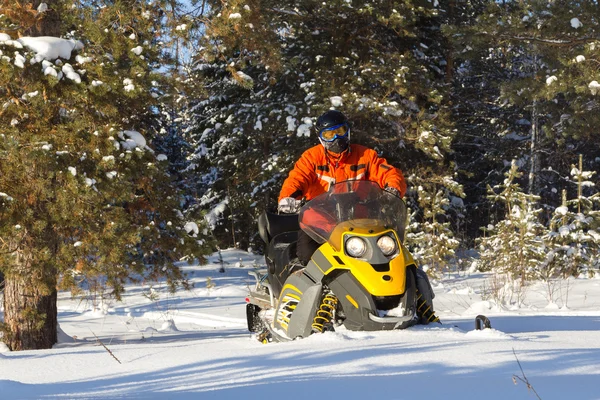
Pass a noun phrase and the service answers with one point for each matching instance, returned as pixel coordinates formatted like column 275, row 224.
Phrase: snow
column 48, row 69
column 19, row 60
column 194, row 344
column 133, row 140
column 594, row 87
column 213, row 216
column 245, row 77
column 191, row 228
column 575, row 23
column 128, row 85
column 51, row 48
column 336, row 101
column 562, row 210
column 291, row 123
column 70, row 73
column 305, row 127
column 137, row 50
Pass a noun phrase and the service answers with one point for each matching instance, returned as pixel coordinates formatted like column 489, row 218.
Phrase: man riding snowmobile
column 334, row 160
column 324, row 177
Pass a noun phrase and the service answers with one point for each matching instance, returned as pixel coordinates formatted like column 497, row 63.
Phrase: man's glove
column 393, row 191
column 288, row 205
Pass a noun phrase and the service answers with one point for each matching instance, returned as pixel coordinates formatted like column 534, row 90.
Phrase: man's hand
column 288, row 205
column 393, row 191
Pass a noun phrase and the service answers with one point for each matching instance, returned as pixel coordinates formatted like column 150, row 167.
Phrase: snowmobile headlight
column 356, row 247
column 387, row 245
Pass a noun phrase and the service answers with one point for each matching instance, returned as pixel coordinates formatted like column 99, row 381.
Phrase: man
column 336, row 160
column 333, row 160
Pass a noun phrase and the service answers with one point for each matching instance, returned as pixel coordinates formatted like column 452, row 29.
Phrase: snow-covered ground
column 208, row 353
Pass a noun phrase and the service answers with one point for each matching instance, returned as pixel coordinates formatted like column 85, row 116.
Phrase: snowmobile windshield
column 353, row 204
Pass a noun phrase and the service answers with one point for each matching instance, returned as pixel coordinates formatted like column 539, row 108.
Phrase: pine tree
column 269, row 69
column 490, row 129
column 542, row 56
column 514, row 245
column 83, row 192
column 432, row 241
column 573, row 239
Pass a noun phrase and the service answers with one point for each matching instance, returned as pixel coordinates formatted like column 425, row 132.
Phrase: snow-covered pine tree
column 573, row 239
column 490, row 129
column 513, row 245
column 550, row 51
column 269, row 68
column 432, row 241
column 83, row 193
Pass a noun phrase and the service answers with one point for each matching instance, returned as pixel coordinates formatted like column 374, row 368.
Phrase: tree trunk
column 449, row 47
column 535, row 165
column 30, row 313
column 49, row 24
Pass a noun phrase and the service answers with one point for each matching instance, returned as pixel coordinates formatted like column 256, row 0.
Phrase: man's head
column 333, row 131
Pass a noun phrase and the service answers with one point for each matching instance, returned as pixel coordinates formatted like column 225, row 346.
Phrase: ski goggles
column 334, row 132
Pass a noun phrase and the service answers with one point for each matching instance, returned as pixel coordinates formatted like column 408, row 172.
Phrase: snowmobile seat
column 271, row 225
column 280, row 233
column 281, row 257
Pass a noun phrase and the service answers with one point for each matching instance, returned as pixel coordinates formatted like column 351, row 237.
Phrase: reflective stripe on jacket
column 316, row 171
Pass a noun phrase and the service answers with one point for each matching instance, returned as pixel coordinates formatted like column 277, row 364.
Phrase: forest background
column 171, row 126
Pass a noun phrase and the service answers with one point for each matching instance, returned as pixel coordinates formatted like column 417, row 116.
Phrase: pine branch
column 106, row 348
column 552, row 42
column 523, row 378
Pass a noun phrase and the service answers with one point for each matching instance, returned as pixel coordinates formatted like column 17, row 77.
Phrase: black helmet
column 336, row 124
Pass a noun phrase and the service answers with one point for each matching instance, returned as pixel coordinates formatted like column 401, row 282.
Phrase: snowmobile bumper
column 385, row 323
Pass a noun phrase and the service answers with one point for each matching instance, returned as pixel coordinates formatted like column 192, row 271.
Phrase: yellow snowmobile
column 361, row 276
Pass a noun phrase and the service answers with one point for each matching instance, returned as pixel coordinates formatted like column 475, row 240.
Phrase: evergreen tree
column 83, row 192
column 573, row 239
column 490, row 129
column 541, row 56
column 514, row 244
column 270, row 68
column 432, row 242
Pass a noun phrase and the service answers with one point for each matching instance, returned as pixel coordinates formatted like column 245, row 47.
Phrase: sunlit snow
column 336, row 101
column 575, row 23
column 51, row 48
column 594, row 87
column 191, row 228
column 195, row 344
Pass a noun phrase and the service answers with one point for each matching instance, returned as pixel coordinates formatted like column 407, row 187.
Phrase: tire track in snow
column 196, row 318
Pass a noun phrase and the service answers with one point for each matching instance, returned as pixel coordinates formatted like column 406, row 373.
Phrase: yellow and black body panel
column 378, row 274
column 300, row 297
column 365, row 287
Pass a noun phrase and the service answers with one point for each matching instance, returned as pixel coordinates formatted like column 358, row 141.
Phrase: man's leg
column 305, row 247
column 425, row 290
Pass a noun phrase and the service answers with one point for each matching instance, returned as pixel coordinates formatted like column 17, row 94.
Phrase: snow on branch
column 552, row 42
column 51, row 48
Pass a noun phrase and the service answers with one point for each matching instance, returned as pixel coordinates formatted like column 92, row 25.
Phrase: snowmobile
column 362, row 276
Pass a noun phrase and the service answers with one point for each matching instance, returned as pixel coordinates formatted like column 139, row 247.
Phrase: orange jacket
column 316, row 171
